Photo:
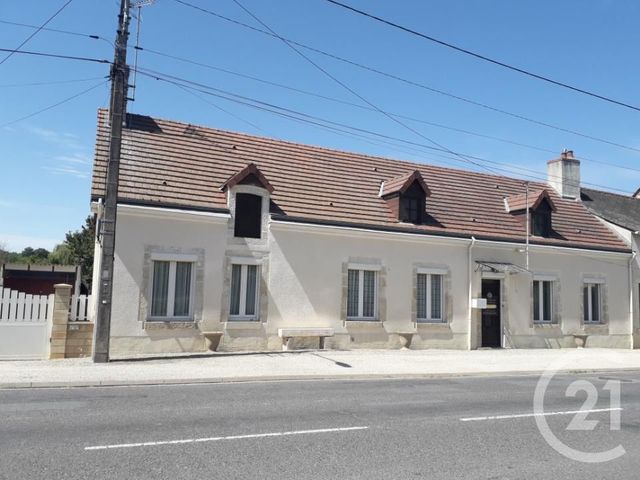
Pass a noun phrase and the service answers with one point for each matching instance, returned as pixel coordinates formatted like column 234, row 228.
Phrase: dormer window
column 406, row 197
column 541, row 221
column 540, row 208
column 412, row 205
column 247, row 214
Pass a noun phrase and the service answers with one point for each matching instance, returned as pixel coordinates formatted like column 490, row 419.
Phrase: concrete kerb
column 296, row 378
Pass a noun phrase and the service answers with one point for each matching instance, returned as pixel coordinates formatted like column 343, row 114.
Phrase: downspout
column 631, row 303
column 470, row 282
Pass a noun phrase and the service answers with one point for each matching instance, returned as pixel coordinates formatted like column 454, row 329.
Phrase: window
column 541, row 220
column 592, row 303
column 411, row 209
column 429, row 298
column 248, row 216
column 362, row 295
column 244, row 292
column 171, row 289
column 542, row 301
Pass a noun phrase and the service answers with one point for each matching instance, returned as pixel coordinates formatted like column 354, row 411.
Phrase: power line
column 57, row 30
column 55, row 55
column 483, row 57
column 68, row 99
column 356, row 105
column 414, row 83
column 218, row 107
column 356, row 94
column 36, row 31
column 340, row 127
column 53, row 82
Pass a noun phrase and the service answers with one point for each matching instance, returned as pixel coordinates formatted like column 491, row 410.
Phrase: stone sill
column 242, row 325
column 546, row 325
column 443, row 325
column 363, row 324
column 169, row 325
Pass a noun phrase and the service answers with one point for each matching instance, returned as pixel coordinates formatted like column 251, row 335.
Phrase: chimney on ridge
column 563, row 174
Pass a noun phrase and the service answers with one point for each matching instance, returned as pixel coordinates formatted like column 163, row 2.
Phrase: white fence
column 80, row 308
column 20, row 307
column 24, row 331
column 25, row 322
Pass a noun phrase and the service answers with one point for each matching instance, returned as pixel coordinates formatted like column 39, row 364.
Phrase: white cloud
column 65, row 139
column 19, row 242
column 67, row 170
column 75, row 158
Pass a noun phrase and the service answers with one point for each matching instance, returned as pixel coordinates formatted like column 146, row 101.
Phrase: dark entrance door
column 491, row 314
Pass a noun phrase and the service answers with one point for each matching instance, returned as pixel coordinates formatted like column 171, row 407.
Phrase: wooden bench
column 288, row 334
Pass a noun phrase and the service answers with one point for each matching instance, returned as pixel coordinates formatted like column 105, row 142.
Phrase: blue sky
column 45, row 161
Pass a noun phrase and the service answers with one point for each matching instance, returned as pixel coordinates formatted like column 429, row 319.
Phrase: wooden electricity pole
column 117, row 113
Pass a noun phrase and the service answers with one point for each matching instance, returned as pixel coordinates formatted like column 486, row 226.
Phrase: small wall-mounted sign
column 478, row 303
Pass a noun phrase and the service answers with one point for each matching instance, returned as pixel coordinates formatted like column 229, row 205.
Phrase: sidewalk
column 357, row 364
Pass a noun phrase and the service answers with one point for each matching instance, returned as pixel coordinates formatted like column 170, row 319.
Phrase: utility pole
column 117, row 113
column 528, row 222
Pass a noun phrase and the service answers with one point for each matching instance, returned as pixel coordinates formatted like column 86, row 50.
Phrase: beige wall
column 303, row 285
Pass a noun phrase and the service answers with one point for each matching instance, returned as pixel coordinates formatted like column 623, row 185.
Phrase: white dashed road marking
column 230, row 437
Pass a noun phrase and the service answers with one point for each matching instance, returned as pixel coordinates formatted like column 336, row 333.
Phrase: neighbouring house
column 622, row 214
column 38, row 279
column 237, row 242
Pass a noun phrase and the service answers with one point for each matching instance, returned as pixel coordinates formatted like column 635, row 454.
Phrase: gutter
column 631, row 303
column 470, row 282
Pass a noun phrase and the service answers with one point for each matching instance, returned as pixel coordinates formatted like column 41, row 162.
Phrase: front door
column 491, row 314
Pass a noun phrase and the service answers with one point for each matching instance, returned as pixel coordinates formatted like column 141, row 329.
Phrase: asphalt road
column 440, row 429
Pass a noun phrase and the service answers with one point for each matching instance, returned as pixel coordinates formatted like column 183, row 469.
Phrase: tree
column 4, row 254
column 80, row 245
column 61, row 255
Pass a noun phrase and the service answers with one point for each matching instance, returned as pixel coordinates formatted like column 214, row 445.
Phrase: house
column 237, row 242
column 622, row 214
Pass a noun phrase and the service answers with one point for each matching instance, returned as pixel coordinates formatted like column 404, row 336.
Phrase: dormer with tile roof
column 248, row 195
column 540, row 206
column 406, row 197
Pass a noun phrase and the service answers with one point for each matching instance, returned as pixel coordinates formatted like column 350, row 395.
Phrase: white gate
column 24, row 324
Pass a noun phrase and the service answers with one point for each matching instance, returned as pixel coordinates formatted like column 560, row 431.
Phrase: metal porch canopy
column 499, row 267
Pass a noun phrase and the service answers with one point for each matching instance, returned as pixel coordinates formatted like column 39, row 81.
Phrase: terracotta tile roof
column 401, row 183
column 250, row 169
column 535, row 197
column 176, row 164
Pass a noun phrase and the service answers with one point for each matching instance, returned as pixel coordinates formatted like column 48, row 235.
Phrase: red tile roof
column 181, row 165
column 250, row 169
column 401, row 183
column 535, row 197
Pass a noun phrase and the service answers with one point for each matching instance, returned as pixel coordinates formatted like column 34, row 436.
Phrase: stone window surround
column 601, row 280
column 264, row 221
column 361, row 263
column 556, row 303
column 447, row 300
column 164, row 253
column 262, row 261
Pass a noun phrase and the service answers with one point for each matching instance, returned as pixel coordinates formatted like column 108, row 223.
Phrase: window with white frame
column 362, row 294
column 244, row 292
column 429, row 295
column 172, row 287
column 592, row 302
column 543, row 301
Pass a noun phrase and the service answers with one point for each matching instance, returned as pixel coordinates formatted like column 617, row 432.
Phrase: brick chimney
column 563, row 174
